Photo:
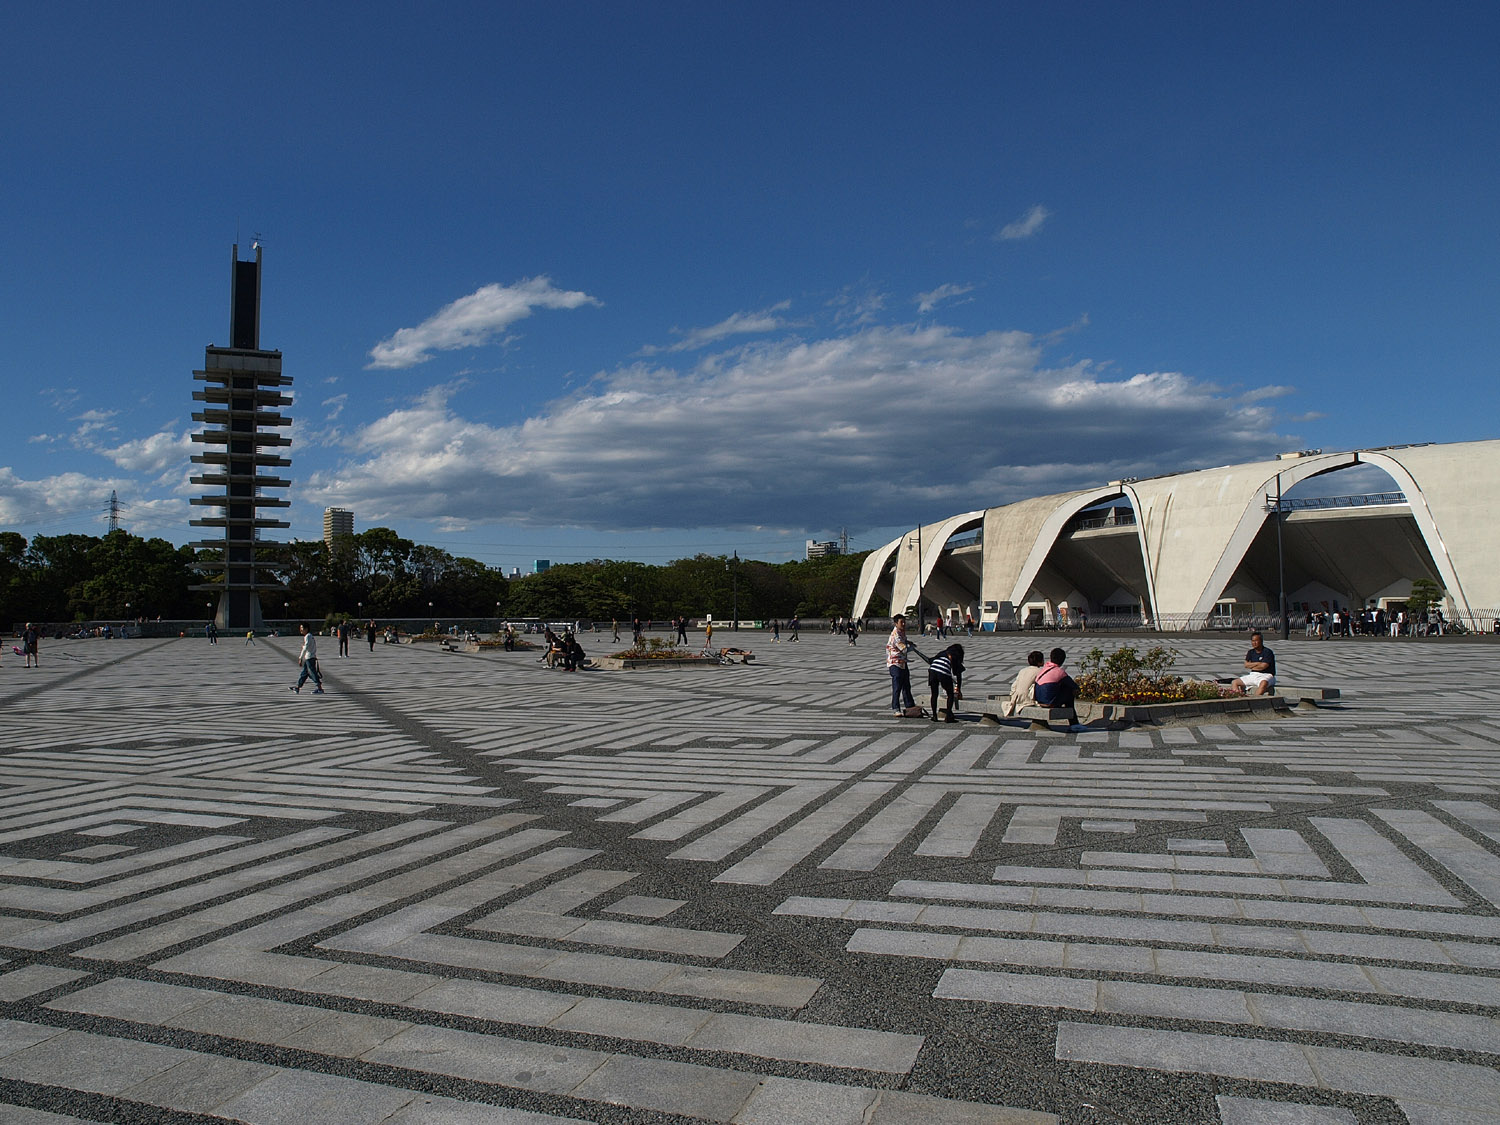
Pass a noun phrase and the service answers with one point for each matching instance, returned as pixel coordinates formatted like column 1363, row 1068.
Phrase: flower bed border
column 630, row 663
column 1158, row 714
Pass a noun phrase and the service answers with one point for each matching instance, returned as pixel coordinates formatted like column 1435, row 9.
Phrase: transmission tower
column 114, row 510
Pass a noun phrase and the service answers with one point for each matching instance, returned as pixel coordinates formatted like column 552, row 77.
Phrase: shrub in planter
column 1129, row 676
column 656, row 648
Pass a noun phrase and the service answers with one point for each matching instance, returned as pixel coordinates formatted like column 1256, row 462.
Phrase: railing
column 1115, row 519
column 1368, row 500
column 1478, row 621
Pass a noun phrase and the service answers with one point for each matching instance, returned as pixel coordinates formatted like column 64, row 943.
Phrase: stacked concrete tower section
column 1215, row 547
column 242, row 396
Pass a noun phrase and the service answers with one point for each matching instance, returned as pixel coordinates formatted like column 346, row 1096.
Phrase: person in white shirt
column 308, row 659
column 1021, row 687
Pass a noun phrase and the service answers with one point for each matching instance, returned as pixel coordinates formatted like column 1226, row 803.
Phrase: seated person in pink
column 1054, row 687
column 1260, row 668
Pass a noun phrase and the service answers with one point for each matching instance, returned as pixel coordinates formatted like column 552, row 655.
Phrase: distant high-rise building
column 539, row 565
column 337, row 522
column 242, row 397
column 824, row 549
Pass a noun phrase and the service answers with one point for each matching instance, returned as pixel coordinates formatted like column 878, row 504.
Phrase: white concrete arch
column 1070, row 504
column 1454, row 492
column 869, row 575
column 909, row 577
column 1195, row 528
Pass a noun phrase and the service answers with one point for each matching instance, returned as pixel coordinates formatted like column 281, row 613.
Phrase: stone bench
column 1042, row 718
column 1307, row 696
column 1295, row 694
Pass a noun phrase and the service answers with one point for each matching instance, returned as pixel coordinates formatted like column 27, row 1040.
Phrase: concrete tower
column 241, row 397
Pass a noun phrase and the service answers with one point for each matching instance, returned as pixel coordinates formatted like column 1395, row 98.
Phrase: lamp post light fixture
column 1278, row 508
column 734, row 574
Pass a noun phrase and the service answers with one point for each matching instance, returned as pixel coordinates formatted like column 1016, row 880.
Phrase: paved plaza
column 462, row 888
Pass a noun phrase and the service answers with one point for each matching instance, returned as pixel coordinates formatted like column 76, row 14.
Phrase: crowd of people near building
column 1328, row 624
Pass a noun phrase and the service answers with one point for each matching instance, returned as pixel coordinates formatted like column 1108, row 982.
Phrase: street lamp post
column 734, row 613
column 1280, row 513
column 921, row 612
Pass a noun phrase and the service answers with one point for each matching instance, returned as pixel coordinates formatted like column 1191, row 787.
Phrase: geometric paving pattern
column 465, row 888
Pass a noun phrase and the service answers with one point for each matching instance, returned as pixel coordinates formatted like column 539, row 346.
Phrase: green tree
column 134, row 577
column 1425, row 593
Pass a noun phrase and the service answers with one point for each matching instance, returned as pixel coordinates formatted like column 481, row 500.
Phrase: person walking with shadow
column 308, row 660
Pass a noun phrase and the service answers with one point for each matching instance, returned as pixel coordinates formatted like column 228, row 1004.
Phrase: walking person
column 308, row 660
column 370, row 632
column 29, row 639
column 896, row 646
column 682, row 629
column 795, row 625
column 775, row 631
column 211, row 631
column 249, row 637
column 852, row 628
column 343, row 631
column 946, row 672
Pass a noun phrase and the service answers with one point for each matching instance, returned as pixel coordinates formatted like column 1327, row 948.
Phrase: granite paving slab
column 461, row 888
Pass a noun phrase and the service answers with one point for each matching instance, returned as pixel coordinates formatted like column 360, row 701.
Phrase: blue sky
column 638, row 280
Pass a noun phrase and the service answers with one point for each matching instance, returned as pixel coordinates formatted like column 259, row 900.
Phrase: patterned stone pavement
column 463, row 888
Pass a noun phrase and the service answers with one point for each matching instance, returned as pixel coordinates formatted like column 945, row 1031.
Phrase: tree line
column 378, row 574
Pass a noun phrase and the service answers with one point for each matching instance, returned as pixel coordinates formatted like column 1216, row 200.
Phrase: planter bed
column 1115, row 716
column 632, row 663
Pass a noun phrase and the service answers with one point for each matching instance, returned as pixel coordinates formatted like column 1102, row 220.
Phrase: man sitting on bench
column 1260, row 668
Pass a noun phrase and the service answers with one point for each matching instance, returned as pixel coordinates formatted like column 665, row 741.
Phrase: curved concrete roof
column 907, row 582
column 934, row 537
column 1194, row 529
column 869, row 574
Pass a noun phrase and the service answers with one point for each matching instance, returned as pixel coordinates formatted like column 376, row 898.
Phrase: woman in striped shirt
column 947, row 672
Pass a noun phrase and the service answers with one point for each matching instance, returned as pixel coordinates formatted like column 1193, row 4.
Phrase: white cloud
column 739, row 324
column 853, row 307
column 1024, row 227
column 79, row 502
column 930, row 300
column 868, row 429
column 472, row 321
column 336, row 405
column 90, row 422
column 26, row 503
column 155, row 454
